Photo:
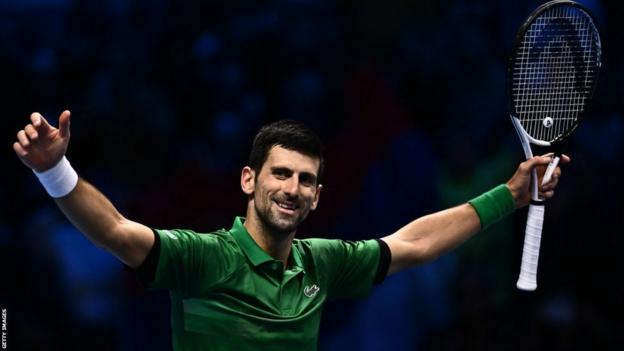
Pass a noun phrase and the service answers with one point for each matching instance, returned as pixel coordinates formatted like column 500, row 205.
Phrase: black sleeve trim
column 147, row 269
column 385, row 256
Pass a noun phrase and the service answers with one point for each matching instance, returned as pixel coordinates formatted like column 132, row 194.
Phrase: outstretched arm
column 428, row 237
column 41, row 147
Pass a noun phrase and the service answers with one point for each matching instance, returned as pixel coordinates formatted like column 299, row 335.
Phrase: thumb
column 64, row 124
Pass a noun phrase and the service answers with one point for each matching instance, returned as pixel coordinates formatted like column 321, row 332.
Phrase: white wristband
column 59, row 180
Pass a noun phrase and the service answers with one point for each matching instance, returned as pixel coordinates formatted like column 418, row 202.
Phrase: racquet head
column 553, row 70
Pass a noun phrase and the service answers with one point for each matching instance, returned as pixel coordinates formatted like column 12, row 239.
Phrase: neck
column 277, row 245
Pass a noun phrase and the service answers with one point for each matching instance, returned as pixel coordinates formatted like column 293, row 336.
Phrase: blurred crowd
column 410, row 101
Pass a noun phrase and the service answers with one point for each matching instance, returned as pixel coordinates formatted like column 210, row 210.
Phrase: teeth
column 288, row 207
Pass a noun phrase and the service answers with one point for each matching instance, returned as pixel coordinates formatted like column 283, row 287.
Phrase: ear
column 248, row 180
column 317, row 196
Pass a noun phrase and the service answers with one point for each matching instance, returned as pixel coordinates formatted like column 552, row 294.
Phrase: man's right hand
column 39, row 145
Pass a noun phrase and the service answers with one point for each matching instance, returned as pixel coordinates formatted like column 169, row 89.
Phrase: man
column 256, row 287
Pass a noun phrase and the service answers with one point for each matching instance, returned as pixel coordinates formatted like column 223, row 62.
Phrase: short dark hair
column 290, row 135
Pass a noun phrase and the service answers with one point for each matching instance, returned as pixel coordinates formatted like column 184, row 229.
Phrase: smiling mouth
column 286, row 206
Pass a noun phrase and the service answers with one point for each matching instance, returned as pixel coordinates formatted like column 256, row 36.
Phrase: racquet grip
column 551, row 168
column 530, row 253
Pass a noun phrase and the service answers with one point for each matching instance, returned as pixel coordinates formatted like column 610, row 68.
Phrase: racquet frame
column 530, row 254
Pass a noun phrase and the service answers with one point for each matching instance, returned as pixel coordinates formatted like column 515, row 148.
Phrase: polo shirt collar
column 255, row 253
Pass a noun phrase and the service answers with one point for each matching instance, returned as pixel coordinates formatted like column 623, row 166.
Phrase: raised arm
column 428, row 237
column 42, row 147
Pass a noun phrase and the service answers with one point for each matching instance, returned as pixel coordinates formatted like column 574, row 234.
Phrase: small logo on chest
column 310, row 291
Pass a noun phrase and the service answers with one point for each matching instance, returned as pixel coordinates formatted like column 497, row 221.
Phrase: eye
column 307, row 180
column 281, row 173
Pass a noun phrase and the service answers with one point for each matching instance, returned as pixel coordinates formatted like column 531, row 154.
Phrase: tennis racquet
column 552, row 74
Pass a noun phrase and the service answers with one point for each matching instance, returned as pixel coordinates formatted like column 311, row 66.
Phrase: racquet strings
column 554, row 71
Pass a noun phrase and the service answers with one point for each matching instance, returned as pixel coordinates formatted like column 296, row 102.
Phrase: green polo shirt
column 229, row 294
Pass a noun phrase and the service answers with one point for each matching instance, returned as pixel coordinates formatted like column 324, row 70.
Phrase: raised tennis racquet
column 552, row 74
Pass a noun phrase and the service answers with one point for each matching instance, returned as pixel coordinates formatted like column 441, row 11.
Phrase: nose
column 291, row 187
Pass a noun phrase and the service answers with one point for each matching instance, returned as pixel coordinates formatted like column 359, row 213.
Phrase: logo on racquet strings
column 548, row 122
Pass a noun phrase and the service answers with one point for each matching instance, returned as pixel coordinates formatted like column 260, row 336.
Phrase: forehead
column 294, row 160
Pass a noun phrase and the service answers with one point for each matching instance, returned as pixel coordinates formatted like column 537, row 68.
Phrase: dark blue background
column 409, row 98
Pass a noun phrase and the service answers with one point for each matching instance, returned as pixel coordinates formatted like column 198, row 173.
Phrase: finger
column 40, row 123
column 23, row 139
column 64, row 124
column 557, row 173
column 543, row 160
column 565, row 158
column 535, row 161
column 19, row 150
column 550, row 185
column 548, row 194
column 31, row 132
column 556, row 176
